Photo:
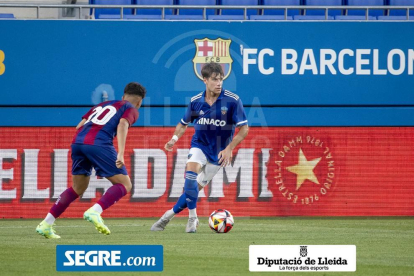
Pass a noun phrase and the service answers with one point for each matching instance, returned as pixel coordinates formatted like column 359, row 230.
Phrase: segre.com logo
column 109, row 258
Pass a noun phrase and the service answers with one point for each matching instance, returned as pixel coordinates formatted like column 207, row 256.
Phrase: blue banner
column 291, row 63
column 67, row 64
column 109, row 258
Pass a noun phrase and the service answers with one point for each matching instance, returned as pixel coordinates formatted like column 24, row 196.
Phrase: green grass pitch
column 385, row 246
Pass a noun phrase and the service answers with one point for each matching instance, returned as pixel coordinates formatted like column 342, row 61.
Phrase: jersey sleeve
column 131, row 115
column 86, row 116
column 188, row 116
column 239, row 116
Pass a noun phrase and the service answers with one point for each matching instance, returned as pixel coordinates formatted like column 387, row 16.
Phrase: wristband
column 175, row 138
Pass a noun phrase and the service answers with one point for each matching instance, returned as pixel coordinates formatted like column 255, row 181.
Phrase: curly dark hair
column 134, row 88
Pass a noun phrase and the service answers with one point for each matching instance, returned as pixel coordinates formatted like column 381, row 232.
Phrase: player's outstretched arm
column 179, row 131
column 226, row 155
column 81, row 123
column 122, row 132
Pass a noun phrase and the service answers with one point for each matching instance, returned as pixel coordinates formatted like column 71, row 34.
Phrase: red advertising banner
column 286, row 171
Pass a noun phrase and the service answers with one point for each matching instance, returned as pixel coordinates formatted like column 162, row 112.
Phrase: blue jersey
column 102, row 123
column 214, row 125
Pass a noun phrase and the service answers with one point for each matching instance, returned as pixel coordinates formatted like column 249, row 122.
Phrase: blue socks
column 190, row 195
column 191, row 189
column 180, row 205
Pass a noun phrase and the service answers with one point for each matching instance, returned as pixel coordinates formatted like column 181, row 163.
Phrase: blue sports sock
column 191, row 189
column 180, row 205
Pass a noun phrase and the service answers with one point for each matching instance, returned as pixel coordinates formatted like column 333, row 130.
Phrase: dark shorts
column 102, row 159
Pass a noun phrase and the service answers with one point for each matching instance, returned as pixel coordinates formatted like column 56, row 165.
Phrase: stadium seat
column 184, row 17
column 152, row 13
column 402, row 12
column 395, row 17
column 111, row 16
column 227, row 17
column 193, row 14
column 226, row 12
column 110, row 13
column 143, row 17
column 323, row 3
column 270, row 17
column 279, row 12
column 354, row 17
column 374, row 12
column 312, row 17
column 7, row 16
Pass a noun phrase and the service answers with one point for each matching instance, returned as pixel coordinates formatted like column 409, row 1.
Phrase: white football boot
column 192, row 225
column 161, row 223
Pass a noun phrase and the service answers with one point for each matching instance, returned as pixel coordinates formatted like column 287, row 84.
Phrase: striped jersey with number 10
column 102, row 123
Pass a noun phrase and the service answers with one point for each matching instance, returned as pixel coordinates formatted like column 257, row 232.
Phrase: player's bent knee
column 79, row 190
column 128, row 186
column 193, row 167
column 80, row 183
column 121, row 179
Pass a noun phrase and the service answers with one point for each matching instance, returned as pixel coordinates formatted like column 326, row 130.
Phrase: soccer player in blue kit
column 216, row 113
column 92, row 147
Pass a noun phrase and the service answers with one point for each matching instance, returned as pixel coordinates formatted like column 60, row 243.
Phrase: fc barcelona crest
column 208, row 50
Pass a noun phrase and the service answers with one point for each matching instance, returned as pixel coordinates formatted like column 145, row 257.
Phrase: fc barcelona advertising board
column 288, row 63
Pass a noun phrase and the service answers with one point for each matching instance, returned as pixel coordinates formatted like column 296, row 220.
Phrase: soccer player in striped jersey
column 92, row 147
column 216, row 113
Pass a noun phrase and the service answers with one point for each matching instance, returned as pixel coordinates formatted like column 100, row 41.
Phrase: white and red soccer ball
column 221, row 221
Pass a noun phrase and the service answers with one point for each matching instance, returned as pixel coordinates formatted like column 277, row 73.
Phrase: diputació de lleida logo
column 302, row 169
column 216, row 50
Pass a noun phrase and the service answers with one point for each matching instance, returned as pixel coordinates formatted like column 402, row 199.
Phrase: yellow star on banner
column 304, row 170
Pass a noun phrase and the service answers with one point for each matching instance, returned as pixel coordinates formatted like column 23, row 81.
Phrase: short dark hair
column 134, row 88
column 210, row 68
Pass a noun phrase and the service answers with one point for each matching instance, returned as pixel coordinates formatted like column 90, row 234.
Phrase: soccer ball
column 221, row 221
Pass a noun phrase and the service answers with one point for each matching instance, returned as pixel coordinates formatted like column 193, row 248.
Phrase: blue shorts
column 102, row 159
